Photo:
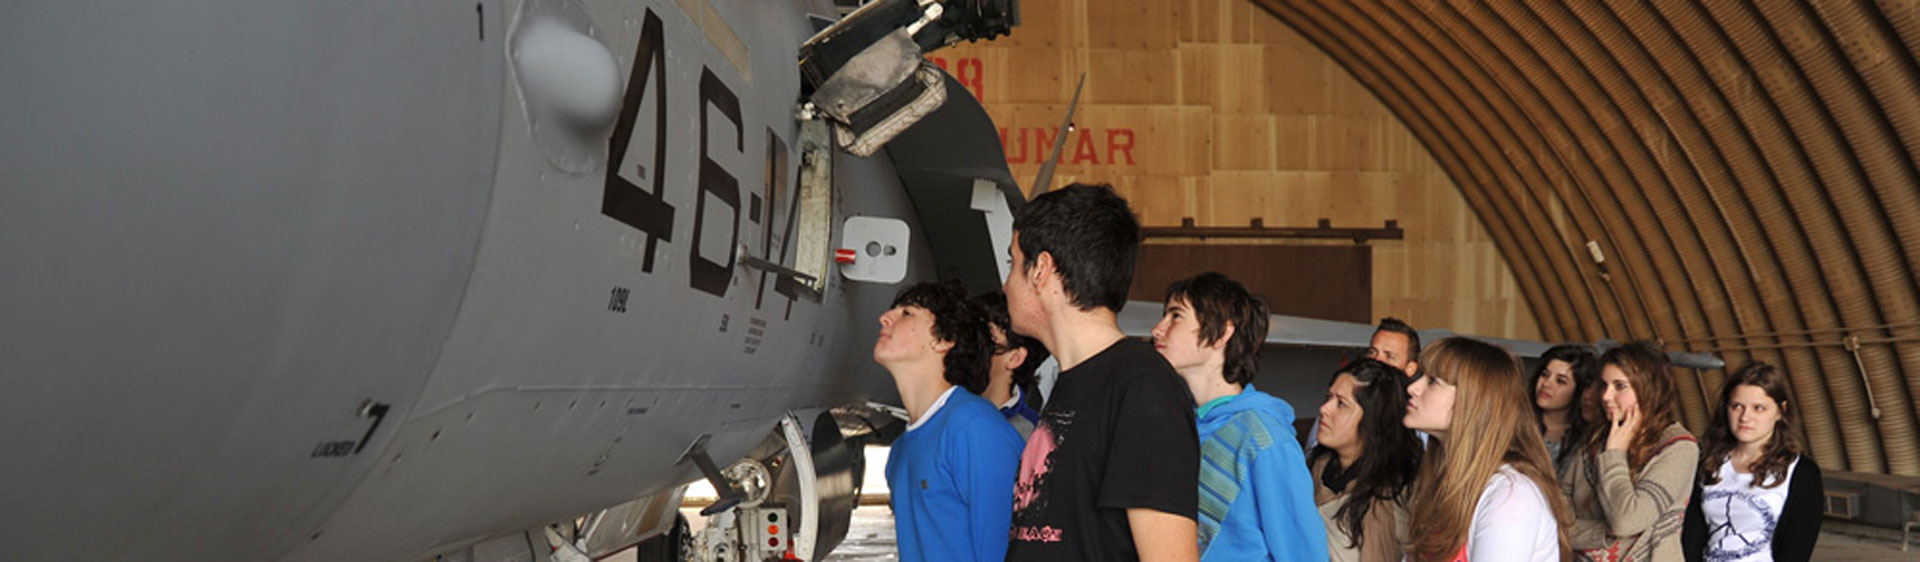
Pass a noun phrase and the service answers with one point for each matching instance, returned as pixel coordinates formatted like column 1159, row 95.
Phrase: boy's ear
column 1226, row 334
column 1018, row 356
column 1042, row 268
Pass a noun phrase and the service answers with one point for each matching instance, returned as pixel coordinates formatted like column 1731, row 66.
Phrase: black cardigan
column 1799, row 525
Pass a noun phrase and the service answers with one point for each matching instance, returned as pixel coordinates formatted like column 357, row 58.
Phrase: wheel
column 676, row 545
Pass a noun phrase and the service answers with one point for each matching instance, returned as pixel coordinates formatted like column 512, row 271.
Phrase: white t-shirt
column 937, row 403
column 1741, row 517
column 1512, row 521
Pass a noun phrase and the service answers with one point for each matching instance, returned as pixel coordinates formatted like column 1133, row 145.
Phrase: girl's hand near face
column 1625, row 426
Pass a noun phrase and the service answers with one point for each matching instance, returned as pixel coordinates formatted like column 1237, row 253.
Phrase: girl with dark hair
column 1629, row 485
column 1364, row 460
column 1760, row 494
column 1485, row 487
column 1564, row 375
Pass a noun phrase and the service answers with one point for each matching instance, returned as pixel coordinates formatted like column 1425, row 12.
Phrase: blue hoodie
column 1256, row 498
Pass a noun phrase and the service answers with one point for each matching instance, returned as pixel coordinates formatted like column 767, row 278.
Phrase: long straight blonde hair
column 1491, row 424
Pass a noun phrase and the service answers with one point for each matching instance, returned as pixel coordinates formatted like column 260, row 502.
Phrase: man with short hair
column 1260, row 497
column 1112, row 471
column 1396, row 343
column 1010, row 372
column 951, row 473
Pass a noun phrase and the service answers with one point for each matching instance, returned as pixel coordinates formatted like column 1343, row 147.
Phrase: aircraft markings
column 618, row 301
column 645, row 208
column 333, row 449
column 708, row 275
column 622, row 200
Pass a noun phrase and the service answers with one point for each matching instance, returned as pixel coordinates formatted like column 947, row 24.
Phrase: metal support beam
column 1259, row 229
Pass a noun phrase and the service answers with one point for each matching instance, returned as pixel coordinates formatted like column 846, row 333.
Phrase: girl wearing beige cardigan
column 1364, row 453
column 1630, row 485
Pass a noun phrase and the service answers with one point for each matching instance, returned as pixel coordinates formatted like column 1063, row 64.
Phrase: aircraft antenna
column 1059, row 139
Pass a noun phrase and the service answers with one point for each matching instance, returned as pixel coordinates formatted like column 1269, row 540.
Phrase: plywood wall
column 1214, row 109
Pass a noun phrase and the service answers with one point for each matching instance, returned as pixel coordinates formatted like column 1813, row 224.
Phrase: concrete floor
column 871, row 537
column 1846, row 548
column 871, row 540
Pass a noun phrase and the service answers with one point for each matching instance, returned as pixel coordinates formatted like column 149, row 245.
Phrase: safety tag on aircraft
column 879, row 247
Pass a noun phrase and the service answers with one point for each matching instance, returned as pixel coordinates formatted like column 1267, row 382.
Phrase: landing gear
column 791, row 499
column 676, row 545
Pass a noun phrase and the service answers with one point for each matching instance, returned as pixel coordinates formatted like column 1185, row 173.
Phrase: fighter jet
column 483, row 281
column 466, row 280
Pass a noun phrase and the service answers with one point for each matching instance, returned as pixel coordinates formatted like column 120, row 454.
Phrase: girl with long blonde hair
column 1486, row 490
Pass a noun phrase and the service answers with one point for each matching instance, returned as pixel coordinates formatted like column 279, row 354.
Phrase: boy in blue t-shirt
column 950, row 475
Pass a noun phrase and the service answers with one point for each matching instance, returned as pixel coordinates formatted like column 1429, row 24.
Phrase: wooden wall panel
column 1333, row 288
column 1246, row 142
column 1038, row 75
column 1134, row 26
column 1232, row 92
column 1200, row 21
column 1117, row 76
column 1245, row 23
column 1298, row 77
column 1215, row 110
column 1054, row 17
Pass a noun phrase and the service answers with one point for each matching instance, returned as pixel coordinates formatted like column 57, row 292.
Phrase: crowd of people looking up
column 1165, row 450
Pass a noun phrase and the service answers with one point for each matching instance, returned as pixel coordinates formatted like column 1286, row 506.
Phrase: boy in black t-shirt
column 1112, row 471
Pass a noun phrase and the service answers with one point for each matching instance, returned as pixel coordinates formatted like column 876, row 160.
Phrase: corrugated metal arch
column 1748, row 169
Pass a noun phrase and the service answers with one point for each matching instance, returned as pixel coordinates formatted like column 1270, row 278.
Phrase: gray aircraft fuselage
column 305, row 281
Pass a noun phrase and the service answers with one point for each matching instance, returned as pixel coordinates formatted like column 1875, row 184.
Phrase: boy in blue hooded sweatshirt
column 1256, row 497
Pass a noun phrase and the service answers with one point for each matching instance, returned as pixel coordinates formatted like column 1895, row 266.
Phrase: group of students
column 1166, row 451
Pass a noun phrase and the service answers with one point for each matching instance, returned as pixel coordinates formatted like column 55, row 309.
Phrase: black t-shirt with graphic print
column 1117, row 433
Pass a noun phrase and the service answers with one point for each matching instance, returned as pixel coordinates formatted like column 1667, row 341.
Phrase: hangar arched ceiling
column 1747, row 170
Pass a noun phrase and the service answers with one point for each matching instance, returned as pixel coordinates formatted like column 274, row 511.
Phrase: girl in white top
column 1513, row 521
column 1473, row 400
column 1759, row 497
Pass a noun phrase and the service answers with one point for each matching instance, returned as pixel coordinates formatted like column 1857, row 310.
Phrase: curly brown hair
column 1651, row 376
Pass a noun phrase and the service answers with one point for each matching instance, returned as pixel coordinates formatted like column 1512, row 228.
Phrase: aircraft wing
column 1138, row 317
